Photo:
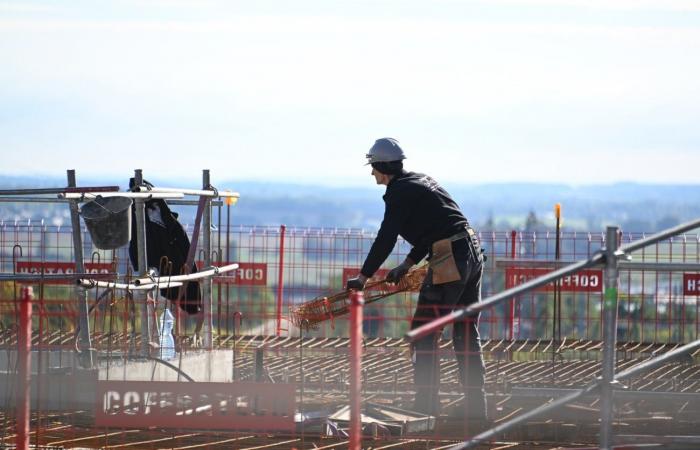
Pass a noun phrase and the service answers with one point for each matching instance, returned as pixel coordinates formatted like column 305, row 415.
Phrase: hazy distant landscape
column 634, row 206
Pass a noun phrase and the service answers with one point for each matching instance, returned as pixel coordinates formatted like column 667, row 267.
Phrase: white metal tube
column 143, row 195
column 208, row 272
column 90, row 283
column 208, row 324
column 200, row 192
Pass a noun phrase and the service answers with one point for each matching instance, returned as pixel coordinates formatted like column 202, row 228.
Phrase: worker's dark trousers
column 438, row 300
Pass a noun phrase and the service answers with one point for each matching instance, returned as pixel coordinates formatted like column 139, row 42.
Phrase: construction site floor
column 661, row 408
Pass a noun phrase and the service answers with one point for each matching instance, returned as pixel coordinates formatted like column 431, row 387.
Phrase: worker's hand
column 357, row 283
column 398, row 272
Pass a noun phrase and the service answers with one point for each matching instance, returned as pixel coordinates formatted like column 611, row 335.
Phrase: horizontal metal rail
column 92, row 195
column 44, row 191
column 51, row 276
column 660, row 267
column 89, row 283
column 204, row 273
column 199, row 192
column 653, row 363
column 145, row 284
column 65, row 200
column 623, row 265
column 660, row 236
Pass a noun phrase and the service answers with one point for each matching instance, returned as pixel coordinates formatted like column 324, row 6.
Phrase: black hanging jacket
column 167, row 245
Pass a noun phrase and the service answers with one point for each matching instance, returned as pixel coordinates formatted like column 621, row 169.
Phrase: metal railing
column 611, row 258
column 576, row 394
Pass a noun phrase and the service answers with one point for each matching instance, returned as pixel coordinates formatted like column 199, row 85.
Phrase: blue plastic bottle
column 167, row 343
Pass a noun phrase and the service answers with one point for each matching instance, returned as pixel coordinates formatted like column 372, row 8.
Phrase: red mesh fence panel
column 654, row 305
column 656, row 308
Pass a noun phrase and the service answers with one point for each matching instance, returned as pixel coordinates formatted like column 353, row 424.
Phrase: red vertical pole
column 24, row 343
column 356, row 302
column 511, row 304
column 280, row 281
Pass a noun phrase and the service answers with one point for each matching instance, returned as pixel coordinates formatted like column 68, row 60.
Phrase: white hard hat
column 385, row 150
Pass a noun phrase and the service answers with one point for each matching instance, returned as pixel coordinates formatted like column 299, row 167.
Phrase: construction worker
column 419, row 210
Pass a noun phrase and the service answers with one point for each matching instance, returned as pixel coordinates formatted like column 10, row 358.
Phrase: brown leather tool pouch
column 443, row 263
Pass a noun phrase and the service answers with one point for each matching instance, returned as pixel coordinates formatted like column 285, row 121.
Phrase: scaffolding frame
column 610, row 257
column 74, row 195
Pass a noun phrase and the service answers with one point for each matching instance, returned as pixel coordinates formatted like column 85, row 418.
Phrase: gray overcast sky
column 572, row 91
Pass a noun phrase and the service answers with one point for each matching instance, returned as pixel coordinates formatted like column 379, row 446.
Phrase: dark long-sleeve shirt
column 417, row 209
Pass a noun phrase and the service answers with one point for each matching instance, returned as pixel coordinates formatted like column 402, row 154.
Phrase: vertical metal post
column 81, row 294
column 228, row 256
column 206, row 285
column 280, row 281
column 220, row 260
column 556, row 319
column 609, row 337
column 24, row 351
column 356, row 303
column 301, row 377
column 511, row 303
column 140, row 296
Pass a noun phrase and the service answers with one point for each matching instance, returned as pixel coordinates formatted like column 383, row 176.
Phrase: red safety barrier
column 320, row 385
column 24, row 347
column 356, row 303
column 282, row 267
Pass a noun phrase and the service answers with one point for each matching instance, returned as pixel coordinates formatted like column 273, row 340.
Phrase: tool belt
column 443, row 262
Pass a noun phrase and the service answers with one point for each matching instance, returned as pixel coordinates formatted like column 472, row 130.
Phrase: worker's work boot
column 472, row 408
column 427, row 402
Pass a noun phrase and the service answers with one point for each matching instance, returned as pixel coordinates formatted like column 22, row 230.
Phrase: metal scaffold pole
column 355, row 432
column 280, row 281
column 609, row 337
column 81, row 294
column 24, row 344
column 206, row 286
column 140, row 297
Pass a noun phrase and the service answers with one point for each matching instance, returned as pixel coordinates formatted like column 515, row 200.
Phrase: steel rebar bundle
column 308, row 315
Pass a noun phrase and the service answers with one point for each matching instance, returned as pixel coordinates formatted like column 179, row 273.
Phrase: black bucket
column 108, row 219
